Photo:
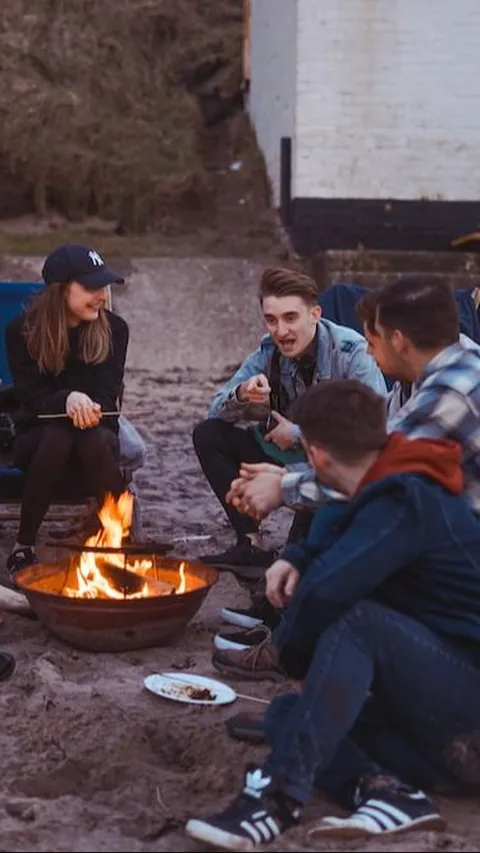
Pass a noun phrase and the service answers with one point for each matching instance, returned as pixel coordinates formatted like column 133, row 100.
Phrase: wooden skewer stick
column 102, row 415
column 253, row 698
column 64, row 415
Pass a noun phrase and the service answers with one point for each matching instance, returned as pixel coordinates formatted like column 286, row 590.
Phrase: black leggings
column 44, row 452
column 221, row 447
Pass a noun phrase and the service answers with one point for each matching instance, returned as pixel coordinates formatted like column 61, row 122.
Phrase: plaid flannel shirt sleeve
column 448, row 413
column 302, row 490
column 439, row 412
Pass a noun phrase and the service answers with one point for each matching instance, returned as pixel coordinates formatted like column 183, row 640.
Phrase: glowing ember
column 94, row 570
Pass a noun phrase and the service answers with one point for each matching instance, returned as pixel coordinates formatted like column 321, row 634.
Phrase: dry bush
column 99, row 103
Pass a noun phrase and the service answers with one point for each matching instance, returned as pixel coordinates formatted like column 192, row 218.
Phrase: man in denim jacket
column 247, row 419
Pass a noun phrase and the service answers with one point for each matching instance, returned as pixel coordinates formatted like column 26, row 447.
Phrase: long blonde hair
column 46, row 332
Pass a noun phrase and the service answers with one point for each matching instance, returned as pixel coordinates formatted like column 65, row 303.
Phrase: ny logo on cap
column 95, row 258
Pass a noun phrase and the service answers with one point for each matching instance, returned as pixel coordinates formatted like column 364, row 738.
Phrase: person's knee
column 97, row 440
column 364, row 615
column 207, row 435
column 49, row 447
column 57, row 441
column 97, row 449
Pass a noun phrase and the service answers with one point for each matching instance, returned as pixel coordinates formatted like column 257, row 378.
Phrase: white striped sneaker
column 387, row 811
column 257, row 816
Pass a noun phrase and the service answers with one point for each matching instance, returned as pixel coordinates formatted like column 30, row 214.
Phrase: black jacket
column 43, row 393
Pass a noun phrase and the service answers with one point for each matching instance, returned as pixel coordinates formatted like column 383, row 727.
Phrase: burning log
column 121, row 583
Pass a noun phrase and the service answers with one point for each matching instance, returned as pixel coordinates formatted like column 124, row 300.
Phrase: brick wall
column 387, row 97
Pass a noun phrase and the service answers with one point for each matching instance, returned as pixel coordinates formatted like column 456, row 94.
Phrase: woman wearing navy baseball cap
column 66, row 353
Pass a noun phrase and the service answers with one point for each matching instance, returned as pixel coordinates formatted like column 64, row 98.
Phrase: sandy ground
column 90, row 760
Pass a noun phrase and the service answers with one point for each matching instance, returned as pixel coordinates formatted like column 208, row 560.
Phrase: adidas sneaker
column 384, row 811
column 257, row 816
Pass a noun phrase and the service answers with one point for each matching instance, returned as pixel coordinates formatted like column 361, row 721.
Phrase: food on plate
column 192, row 691
column 201, row 693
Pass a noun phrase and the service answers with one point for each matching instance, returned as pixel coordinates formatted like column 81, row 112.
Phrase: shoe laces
column 370, row 786
column 253, row 655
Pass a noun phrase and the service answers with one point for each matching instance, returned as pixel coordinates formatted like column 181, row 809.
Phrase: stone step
column 375, row 268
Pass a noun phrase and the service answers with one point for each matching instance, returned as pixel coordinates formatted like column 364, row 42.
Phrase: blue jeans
column 133, row 451
column 383, row 696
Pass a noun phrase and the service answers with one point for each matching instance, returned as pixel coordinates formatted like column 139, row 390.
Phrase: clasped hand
column 84, row 413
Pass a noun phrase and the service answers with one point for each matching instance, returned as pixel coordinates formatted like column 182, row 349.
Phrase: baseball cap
column 72, row 262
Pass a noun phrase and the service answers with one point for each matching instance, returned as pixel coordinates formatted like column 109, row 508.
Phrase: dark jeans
column 421, row 722
column 221, row 447
column 44, row 452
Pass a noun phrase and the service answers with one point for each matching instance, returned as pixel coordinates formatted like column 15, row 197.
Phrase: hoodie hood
column 440, row 460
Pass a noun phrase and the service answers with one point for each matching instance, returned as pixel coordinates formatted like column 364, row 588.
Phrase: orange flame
column 93, row 579
column 116, row 519
column 182, row 587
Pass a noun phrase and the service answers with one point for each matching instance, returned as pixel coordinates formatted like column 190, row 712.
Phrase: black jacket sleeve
column 324, row 532
column 37, row 393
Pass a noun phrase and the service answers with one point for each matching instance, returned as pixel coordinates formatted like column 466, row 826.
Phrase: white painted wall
column 273, row 81
column 386, row 97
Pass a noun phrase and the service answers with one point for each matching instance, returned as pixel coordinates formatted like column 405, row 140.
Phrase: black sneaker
column 383, row 811
column 243, row 559
column 259, row 815
column 247, row 727
column 259, row 613
column 20, row 559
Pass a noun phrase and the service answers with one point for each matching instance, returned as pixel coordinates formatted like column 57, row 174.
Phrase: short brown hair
column 422, row 307
column 278, row 281
column 343, row 416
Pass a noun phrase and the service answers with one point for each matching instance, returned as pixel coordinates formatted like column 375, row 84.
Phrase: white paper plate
column 175, row 686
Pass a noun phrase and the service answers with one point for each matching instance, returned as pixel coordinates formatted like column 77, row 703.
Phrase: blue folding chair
column 14, row 296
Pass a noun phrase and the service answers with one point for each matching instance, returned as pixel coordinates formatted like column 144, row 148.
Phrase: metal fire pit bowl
column 113, row 625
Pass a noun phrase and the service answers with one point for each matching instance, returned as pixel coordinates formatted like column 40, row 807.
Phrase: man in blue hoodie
column 382, row 628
